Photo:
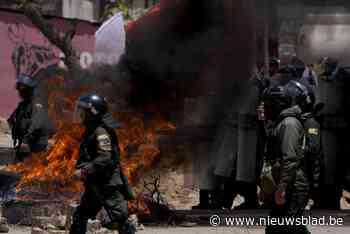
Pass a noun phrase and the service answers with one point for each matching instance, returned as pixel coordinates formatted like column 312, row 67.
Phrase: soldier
column 29, row 122
column 29, row 128
column 285, row 106
column 99, row 167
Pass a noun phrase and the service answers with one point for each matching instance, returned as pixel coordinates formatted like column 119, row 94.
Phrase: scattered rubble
column 171, row 188
column 5, row 134
column 56, row 224
column 345, row 201
column 4, row 127
column 59, row 223
column 4, row 228
column 135, row 222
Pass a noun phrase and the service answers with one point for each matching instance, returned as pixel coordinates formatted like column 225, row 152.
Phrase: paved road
column 208, row 230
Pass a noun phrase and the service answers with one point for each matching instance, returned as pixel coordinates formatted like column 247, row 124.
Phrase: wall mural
column 29, row 58
column 25, row 50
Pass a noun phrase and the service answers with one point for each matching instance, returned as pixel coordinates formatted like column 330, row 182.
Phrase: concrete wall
column 81, row 9
column 291, row 18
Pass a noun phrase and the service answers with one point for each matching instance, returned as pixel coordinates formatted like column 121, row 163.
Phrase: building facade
column 90, row 10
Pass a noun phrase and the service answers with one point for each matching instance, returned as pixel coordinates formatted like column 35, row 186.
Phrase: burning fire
column 51, row 172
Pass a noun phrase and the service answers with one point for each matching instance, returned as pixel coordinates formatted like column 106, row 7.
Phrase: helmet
column 298, row 65
column 274, row 61
column 274, row 66
column 25, row 80
column 289, row 70
column 279, row 98
column 90, row 106
column 300, row 94
column 330, row 66
column 25, row 86
column 275, row 100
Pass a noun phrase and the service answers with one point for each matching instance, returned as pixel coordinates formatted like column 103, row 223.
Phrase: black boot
column 127, row 228
column 79, row 224
column 203, row 200
column 216, row 199
column 229, row 193
column 249, row 192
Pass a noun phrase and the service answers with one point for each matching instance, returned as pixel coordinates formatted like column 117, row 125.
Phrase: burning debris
column 131, row 88
column 49, row 175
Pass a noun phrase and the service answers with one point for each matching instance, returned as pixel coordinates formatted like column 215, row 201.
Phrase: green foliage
column 112, row 8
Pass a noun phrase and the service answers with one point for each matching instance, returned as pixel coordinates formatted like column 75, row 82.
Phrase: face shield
column 79, row 114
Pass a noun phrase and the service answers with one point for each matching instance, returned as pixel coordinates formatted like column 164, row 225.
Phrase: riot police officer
column 29, row 122
column 333, row 91
column 285, row 105
column 274, row 66
column 99, row 167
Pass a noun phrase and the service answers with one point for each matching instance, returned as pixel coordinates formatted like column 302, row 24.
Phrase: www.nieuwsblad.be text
column 216, row 220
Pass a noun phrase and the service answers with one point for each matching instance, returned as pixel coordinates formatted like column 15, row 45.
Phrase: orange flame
column 52, row 171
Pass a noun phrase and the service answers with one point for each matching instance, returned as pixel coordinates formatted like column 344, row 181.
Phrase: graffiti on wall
column 25, row 50
column 29, row 58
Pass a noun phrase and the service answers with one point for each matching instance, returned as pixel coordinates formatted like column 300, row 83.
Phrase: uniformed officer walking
column 285, row 105
column 99, row 167
column 29, row 127
column 29, row 122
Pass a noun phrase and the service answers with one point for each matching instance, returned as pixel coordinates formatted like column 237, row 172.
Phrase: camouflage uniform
column 105, row 185
column 288, row 170
column 29, row 125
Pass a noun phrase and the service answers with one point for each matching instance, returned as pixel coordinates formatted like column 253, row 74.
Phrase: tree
column 62, row 40
column 123, row 6
column 112, row 8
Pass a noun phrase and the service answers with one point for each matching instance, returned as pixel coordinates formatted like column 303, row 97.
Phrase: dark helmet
column 300, row 94
column 289, row 70
column 279, row 98
column 275, row 100
column 298, row 65
column 330, row 66
column 25, row 86
column 274, row 61
column 93, row 103
column 276, row 94
column 25, row 80
column 274, row 66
